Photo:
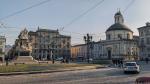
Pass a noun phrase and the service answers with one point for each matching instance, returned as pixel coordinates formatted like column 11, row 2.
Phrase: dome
column 118, row 13
column 118, row 26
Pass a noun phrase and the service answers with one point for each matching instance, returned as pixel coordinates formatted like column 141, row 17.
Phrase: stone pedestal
column 2, row 58
column 25, row 60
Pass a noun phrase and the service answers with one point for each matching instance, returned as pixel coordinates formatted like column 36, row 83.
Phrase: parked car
column 59, row 59
column 90, row 59
column 131, row 67
column 143, row 80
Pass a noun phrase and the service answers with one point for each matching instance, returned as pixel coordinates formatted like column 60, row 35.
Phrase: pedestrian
column 115, row 62
column 118, row 63
column 121, row 63
column 146, row 60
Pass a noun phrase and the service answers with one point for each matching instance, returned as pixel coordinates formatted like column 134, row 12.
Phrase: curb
column 50, row 71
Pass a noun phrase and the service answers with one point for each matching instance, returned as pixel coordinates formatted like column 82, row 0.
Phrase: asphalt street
column 94, row 76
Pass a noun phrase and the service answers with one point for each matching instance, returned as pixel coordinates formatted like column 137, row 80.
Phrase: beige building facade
column 79, row 52
column 42, row 44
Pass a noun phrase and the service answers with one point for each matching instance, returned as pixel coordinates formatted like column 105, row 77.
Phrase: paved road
column 95, row 76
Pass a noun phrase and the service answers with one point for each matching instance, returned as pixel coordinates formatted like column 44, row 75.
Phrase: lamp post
column 88, row 40
column 52, row 53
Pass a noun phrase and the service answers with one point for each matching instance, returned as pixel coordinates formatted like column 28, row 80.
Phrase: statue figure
column 23, row 34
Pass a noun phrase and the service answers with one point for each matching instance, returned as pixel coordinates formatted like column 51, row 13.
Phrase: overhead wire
column 80, row 16
column 84, row 13
column 129, row 5
column 35, row 5
column 25, row 9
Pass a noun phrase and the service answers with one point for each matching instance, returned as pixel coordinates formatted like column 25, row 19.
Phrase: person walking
column 121, row 62
column 147, row 60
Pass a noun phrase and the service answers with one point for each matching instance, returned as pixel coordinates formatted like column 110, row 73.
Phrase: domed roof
column 118, row 26
column 118, row 13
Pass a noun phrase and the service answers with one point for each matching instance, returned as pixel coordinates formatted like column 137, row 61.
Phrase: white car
column 131, row 67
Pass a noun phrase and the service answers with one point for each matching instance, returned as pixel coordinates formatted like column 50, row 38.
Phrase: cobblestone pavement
column 94, row 76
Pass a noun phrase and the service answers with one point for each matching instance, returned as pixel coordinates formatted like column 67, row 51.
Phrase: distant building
column 2, row 48
column 47, row 42
column 144, row 41
column 42, row 44
column 79, row 52
column 7, row 49
column 120, row 44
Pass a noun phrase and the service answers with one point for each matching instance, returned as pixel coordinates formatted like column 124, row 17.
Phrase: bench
column 43, row 62
column 19, row 63
column 143, row 80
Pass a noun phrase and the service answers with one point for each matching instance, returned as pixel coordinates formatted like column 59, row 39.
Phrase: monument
column 23, row 49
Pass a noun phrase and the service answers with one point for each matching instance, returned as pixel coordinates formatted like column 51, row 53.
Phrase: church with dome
column 120, row 44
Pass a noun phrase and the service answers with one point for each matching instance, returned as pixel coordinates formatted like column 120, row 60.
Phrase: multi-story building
column 47, row 42
column 144, row 41
column 2, row 48
column 120, row 44
column 42, row 44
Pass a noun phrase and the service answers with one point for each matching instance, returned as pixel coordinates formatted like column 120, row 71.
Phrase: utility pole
column 88, row 40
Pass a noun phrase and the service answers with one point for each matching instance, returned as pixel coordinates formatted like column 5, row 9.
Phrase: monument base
column 25, row 60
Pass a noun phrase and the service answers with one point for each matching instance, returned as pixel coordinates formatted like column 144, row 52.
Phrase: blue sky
column 55, row 14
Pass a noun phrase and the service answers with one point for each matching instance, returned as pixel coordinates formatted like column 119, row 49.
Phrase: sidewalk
column 52, row 71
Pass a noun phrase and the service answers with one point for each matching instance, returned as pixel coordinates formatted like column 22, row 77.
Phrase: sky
column 57, row 14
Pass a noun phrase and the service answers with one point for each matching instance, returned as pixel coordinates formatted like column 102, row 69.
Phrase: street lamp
column 88, row 40
column 52, row 53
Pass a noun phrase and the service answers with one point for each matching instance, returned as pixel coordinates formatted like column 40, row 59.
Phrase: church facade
column 120, row 44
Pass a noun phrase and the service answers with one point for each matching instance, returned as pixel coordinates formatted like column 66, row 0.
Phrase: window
column 148, row 32
column 20, row 43
column 68, row 45
column 148, row 55
column 1, row 43
column 141, row 33
column 142, row 40
column 1, row 50
column 120, row 36
column 44, row 46
column 148, row 49
column 64, row 41
column 108, row 37
column 128, row 36
column 118, row 19
column 128, row 53
column 26, row 44
column 130, row 64
column 148, row 40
